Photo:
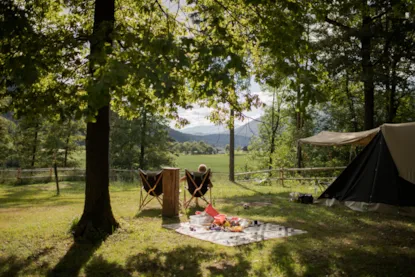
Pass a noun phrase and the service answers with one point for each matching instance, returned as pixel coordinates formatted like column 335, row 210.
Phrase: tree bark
column 97, row 220
column 274, row 128
column 298, row 106
column 351, row 104
column 143, row 139
column 367, row 72
column 65, row 160
column 393, row 107
column 34, row 149
column 232, row 148
column 272, row 146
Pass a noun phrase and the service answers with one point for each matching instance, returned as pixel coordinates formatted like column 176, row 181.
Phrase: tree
column 27, row 140
column 6, row 146
column 126, row 145
column 60, row 140
column 232, row 146
column 97, row 214
column 357, row 22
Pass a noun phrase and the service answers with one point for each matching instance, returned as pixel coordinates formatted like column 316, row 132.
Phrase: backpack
column 305, row 198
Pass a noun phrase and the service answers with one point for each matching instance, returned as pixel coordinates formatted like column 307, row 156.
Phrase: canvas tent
column 382, row 176
column 326, row 138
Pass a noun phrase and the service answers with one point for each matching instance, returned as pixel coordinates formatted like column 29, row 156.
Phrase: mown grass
column 35, row 238
column 217, row 162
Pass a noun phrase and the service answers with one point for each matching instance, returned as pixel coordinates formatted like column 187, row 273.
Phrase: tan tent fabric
column 326, row 138
column 400, row 139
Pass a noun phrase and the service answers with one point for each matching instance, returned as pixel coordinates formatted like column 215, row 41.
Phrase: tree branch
column 161, row 8
column 379, row 15
column 338, row 24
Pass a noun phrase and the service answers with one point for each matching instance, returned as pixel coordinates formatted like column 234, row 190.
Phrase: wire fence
column 317, row 175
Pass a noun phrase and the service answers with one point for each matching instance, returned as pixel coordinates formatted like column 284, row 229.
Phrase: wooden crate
column 171, row 180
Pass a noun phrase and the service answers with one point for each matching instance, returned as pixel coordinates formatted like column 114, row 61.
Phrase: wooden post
column 19, row 174
column 171, row 179
column 56, row 179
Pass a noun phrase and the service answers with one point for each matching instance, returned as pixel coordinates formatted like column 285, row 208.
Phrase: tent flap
column 326, row 138
column 400, row 139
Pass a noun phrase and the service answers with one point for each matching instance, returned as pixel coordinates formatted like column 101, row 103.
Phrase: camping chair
column 198, row 183
column 152, row 184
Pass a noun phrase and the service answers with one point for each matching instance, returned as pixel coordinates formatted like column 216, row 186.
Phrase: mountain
column 205, row 130
column 249, row 129
column 218, row 140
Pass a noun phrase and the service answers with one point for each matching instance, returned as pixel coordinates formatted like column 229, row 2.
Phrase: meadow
column 36, row 240
column 218, row 162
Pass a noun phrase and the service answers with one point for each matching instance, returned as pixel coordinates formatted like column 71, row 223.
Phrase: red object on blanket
column 211, row 211
column 220, row 219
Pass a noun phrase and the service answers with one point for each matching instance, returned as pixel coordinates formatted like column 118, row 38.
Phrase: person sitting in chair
column 201, row 169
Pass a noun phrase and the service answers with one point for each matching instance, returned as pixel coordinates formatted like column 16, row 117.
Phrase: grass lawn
column 35, row 241
column 217, row 162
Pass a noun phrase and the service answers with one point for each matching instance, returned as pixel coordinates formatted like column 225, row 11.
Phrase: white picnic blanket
column 265, row 231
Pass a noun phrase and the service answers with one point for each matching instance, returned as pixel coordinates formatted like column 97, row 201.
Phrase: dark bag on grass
column 305, row 198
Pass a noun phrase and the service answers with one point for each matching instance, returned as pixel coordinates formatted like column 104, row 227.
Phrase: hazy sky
column 197, row 115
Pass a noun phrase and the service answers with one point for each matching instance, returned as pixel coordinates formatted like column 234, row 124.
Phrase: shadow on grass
column 246, row 187
column 151, row 212
column 339, row 241
column 76, row 257
column 29, row 195
column 181, row 261
column 13, row 265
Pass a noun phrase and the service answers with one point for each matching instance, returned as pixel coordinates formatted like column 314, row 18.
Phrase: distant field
column 218, row 162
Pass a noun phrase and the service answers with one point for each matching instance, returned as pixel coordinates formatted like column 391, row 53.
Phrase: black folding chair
column 198, row 183
column 153, row 187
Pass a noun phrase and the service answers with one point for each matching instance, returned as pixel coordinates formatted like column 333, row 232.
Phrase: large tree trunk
column 97, row 220
column 232, row 148
column 367, row 73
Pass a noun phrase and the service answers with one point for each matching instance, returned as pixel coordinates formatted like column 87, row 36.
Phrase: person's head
column 202, row 168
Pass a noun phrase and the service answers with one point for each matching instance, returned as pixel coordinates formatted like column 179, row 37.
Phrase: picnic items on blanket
column 215, row 221
column 211, row 211
column 201, row 219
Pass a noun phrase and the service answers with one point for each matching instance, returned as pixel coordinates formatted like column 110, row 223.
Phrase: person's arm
column 183, row 178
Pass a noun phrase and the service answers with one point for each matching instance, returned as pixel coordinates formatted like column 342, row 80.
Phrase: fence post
column 19, row 174
column 56, row 179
